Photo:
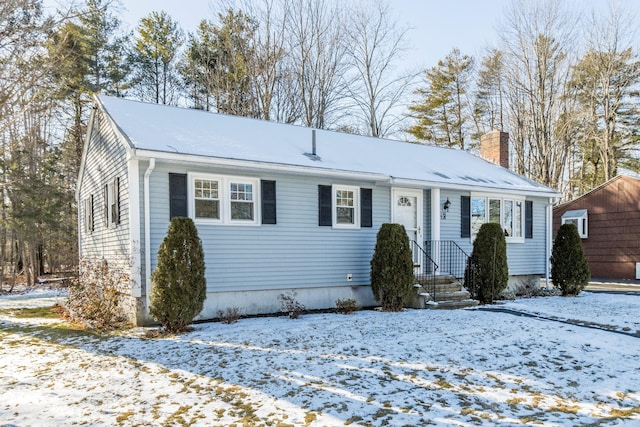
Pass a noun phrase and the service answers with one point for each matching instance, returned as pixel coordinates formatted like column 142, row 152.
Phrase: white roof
column 577, row 213
column 160, row 128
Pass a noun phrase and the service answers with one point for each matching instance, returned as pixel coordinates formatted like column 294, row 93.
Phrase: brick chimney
column 494, row 146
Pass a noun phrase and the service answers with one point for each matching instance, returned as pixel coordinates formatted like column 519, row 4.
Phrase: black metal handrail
column 454, row 261
column 428, row 268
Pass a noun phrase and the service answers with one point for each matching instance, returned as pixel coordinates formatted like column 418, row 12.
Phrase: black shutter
column 105, row 210
column 528, row 219
column 268, row 202
column 366, row 209
column 465, row 216
column 91, row 223
column 324, row 205
column 177, row 195
column 116, row 201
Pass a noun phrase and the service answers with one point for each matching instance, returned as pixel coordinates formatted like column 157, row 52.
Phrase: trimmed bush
column 569, row 266
column 179, row 285
column 490, row 257
column 392, row 277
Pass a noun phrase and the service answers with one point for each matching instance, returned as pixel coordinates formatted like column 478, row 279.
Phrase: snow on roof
column 169, row 129
column 577, row 213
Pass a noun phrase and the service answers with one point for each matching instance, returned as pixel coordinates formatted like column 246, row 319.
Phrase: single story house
column 608, row 221
column 283, row 208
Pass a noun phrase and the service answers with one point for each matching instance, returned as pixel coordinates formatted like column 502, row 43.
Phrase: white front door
column 407, row 210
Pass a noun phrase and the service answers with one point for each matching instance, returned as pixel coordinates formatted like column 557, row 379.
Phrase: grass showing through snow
column 415, row 368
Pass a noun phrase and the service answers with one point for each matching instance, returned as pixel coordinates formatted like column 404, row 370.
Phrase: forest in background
column 563, row 83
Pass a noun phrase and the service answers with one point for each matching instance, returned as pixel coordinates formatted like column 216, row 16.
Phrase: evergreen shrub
column 569, row 266
column 490, row 257
column 179, row 285
column 392, row 276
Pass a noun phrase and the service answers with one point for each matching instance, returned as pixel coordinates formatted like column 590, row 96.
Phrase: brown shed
column 608, row 220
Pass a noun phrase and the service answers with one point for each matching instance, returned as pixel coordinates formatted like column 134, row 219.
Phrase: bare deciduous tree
column 376, row 45
column 316, row 43
column 537, row 39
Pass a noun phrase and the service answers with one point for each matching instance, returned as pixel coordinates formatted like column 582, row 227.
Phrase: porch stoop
column 448, row 293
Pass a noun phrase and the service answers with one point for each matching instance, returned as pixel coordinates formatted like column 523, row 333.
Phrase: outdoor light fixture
column 445, row 208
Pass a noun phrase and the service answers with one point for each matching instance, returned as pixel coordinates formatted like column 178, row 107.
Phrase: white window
column 506, row 211
column 580, row 219
column 207, row 198
column 346, row 206
column 478, row 214
column 224, row 199
column 242, row 203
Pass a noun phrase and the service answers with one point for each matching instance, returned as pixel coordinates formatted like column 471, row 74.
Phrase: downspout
column 147, row 233
column 548, row 240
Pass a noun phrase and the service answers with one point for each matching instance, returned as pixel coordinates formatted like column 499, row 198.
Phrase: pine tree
column 489, row 104
column 219, row 64
column 155, row 55
column 442, row 114
column 604, row 84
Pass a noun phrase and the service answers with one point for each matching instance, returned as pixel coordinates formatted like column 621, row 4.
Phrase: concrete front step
column 438, row 280
column 450, row 305
column 452, row 296
column 445, row 288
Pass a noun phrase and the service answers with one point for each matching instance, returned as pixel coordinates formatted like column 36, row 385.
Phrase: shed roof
column 160, row 128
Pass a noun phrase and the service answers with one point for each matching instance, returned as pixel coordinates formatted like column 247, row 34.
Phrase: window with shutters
column 224, row 199
column 345, row 206
column 508, row 211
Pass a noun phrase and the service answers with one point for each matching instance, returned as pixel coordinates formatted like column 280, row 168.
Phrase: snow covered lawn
column 416, row 368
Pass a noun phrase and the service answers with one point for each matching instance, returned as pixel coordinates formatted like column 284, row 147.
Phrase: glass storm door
column 407, row 210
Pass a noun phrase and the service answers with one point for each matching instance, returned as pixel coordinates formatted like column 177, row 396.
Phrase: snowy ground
column 576, row 362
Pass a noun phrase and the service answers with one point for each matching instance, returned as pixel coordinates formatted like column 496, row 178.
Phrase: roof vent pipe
column 313, row 142
column 313, row 154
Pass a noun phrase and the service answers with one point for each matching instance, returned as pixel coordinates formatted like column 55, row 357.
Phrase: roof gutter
column 147, row 233
column 380, row 179
column 402, row 182
column 255, row 165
